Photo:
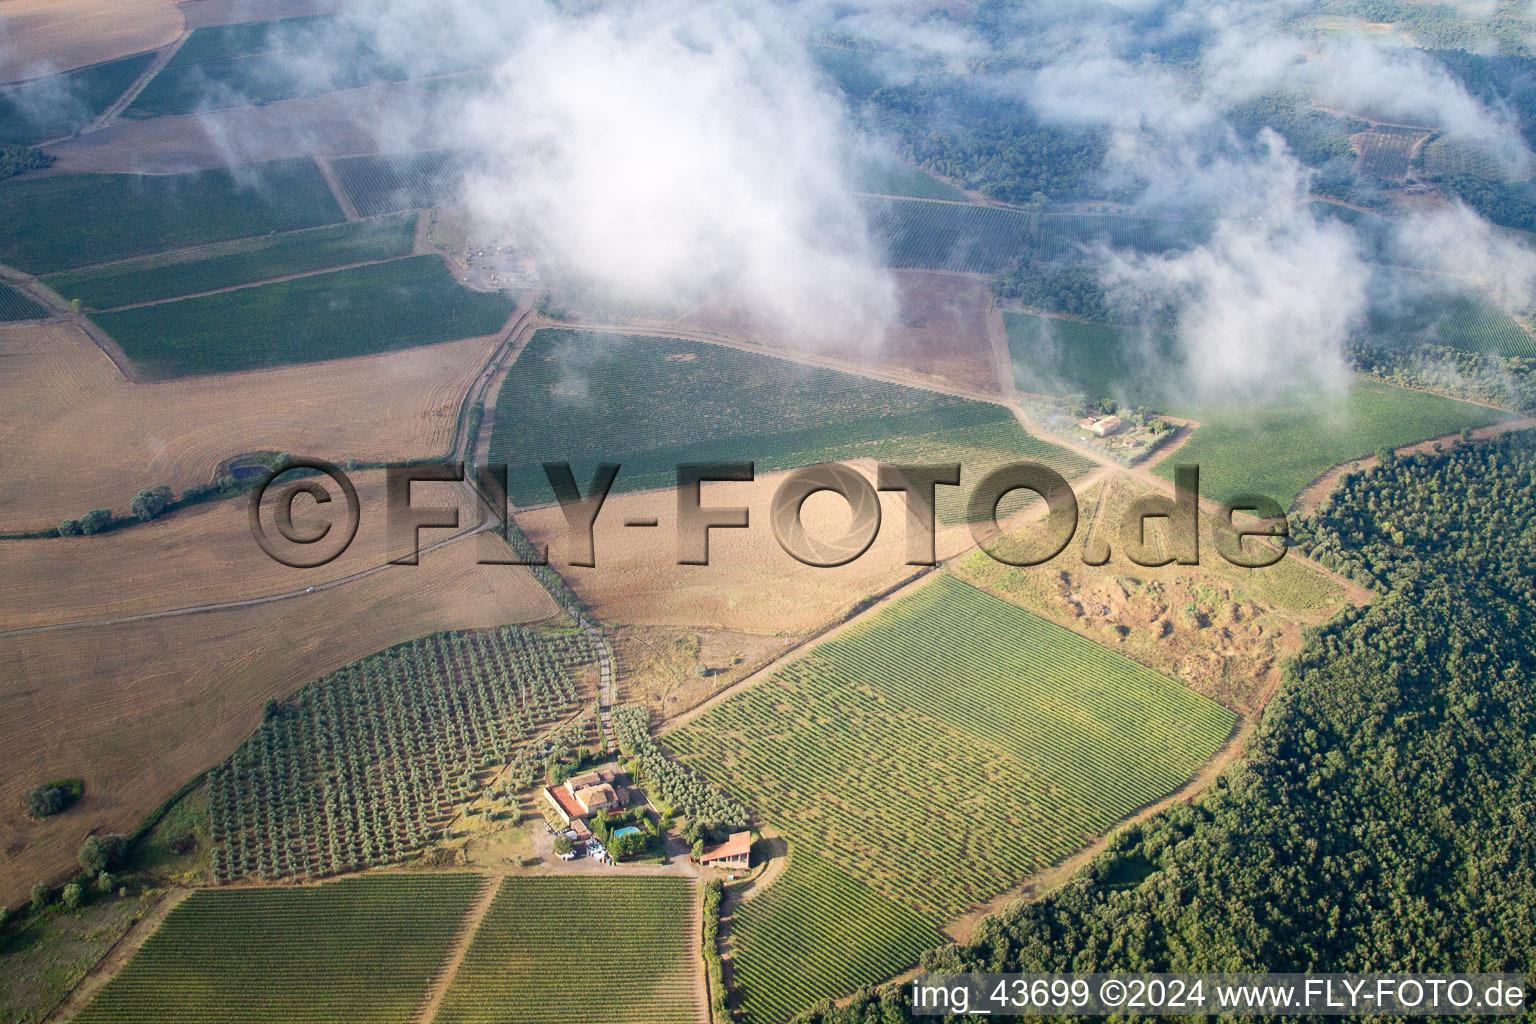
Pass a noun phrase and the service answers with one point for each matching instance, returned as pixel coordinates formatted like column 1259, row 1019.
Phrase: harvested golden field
column 206, row 554
column 1222, row 629
column 138, row 708
column 751, row 584
column 92, row 439
column 69, row 34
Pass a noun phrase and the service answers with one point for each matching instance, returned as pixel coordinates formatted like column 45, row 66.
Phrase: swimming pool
column 626, row 830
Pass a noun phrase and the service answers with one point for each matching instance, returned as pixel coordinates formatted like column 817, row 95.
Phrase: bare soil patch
column 81, row 436
column 751, row 584
column 137, row 709
column 60, row 35
column 202, row 13
column 672, row 670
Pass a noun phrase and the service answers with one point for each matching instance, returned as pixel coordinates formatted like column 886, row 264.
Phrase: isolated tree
column 98, row 853
column 74, row 896
column 45, row 800
column 106, row 881
column 69, row 528
column 563, row 845
column 698, row 849
column 40, row 895
column 96, row 520
column 148, row 504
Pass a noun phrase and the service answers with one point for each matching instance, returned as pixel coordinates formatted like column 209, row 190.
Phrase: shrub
column 40, row 895
column 98, row 853
column 96, row 520
column 53, row 797
column 74, row 896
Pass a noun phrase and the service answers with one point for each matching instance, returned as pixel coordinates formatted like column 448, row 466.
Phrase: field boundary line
column 469, row 927
column 343, row 200
column 117, row 106
column 116, row 955
column 258, row 284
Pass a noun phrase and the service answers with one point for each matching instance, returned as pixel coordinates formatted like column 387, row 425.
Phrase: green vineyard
column 1412, row 308
column 1052, row 356
column 16, row 306
column 356, row 951
column 31, row 111
column 952, row 730
column 400, row 181
column 1061, row 234
column 72, row 220
column 373, row 759
column 1278, row 449
column 380, row 307
column 600, row 950
column 949, row 236
column 858, row 936
column 651, row 403
column 172, row 275
column 1385, row 151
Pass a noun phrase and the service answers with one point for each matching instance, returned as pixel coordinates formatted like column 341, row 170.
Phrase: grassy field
column 893, row 178
column 609, row 950
column 650, row 403
column 58, row 105
column 16, row 306
column 1277, row 450
column 43, row 957
column 360, row 950
column 858, row 937
column 396, row 735
column 73, row 220
column 176, row 274
column 952, row 728
column 949, row 236
column 400, row 181
column 354, row 312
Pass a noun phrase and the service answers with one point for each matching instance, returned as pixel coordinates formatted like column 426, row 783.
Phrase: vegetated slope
column 400, row 181
column 622, row 950
column 352, row 312
column 651, row 403
column 356, row 951
column 58, row 105
column 853, row 935
column 892, row 178
column 952, row 729
column 371, row 760
column 1277, row 449
column 71, row 220
column 16, row 306
column 1381, row 818
column 949, row 236
column 1412, row 308
column 176, row 274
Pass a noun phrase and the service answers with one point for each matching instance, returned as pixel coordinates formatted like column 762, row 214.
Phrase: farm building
column 1102, row 426
column 735, row 854
column 599, row 790
column 602, row 797
column 565, row 806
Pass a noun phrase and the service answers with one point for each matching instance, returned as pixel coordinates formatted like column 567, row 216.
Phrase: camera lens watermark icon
column 304, row 548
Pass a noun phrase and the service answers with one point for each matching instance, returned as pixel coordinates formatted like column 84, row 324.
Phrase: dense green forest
column 992, row 143
column 1382, row 818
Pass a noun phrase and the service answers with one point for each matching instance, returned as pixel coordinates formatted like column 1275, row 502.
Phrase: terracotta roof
column 602, row 796
column 566, row 802
column 739, row 845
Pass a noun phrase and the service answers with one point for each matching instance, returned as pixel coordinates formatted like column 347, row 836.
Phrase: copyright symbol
column 1112, row 992
column 282, row 515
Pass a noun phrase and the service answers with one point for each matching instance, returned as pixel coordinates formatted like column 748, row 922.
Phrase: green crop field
column 892, row 178
column 602, row 950
column 357, row 951
column 1059, row 357
column 72, row 220
column 651, row 403
column 172, row 275
column 16, row 306
column 1277, row 450
column 950, row 236
column 951, row 729
column 857, row 936
column 58, row 105
column 371, row 760
column 377, row 308
column 400, row 181
column 231, row 65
